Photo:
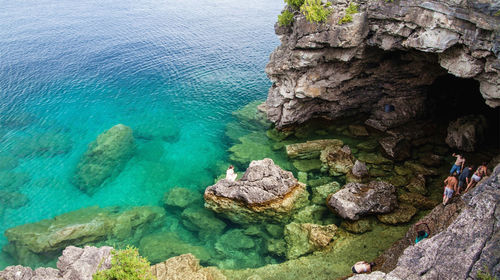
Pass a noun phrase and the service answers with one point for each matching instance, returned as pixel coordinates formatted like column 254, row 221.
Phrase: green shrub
column 351, row 10
column 286, row 18
column 484, row 275
column 315, row 11
column 294, row 3
column 497, row 14
column 126, row 265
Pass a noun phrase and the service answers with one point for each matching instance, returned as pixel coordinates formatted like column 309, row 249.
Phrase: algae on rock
column 104, row 158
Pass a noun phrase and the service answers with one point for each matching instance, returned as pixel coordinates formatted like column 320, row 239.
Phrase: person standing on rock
column 362, row 267
column 459, row 164
column 481, row 171
column 450, row 184
column 464, row 179
column 230, row 174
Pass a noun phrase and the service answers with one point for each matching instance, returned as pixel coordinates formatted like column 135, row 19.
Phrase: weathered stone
column 104, row 158
column 373, row 158
column 320, row 193
column 367, row 146
column 398, row 181
column 396, row 148
column 337, row 160
column 180, row 197
column 311, row 149
column 417, row 200
column 417, row 185
column 200, row 219
column 265, row 192
column 356, row 200
column 307, row 165
column 358, row 130
column 359, row 226
column 77, row 263
column 311, row 214
column 416, row 168
column 185, row 267
column 302, row 239
column 402, row 214
column 359, row 169
column 466, row 133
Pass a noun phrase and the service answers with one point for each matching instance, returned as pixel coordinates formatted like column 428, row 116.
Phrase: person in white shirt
column 230, row 175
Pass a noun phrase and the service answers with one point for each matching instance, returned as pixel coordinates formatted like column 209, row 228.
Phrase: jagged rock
column 185, row 267
column 302, row 239
column 265, row 192
column 396, row 148
column 337, row 160
column 74, row 264
column 417, row 185
column 160, row 246
column 466, row 133
column 359, row 226
column 402, row 214
column 387, row 56
column 320, row 193
column 358, row 130
column 104, row 158
column 417, row 200
column 356, row 200
column 311, row 149
column 80, row 227
column 180, row 197
column 359, row 169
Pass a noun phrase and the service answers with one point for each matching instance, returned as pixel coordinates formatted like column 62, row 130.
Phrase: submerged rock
column 12, row 199
column 395, row 147
column 320, row 193
column 104, row 158
column 302, row 239
column 417, row 185
column 203, row 221
column 185, row 267
column 168, row 131
column 81, row 227
column 337, row 160
column 310, row 149
column 417, row 200
column 359, row 226
column 265, row 192
column 402, row 214
column 466, row 133
column 356, row 200
column 180, row 197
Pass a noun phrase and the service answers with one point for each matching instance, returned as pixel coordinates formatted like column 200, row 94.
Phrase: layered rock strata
column 265, row 192
column 388, row 54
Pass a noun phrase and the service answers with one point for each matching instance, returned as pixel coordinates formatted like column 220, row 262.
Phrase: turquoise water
column 69, row 70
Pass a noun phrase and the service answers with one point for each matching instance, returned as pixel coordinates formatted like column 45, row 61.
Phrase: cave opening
column 450, row 97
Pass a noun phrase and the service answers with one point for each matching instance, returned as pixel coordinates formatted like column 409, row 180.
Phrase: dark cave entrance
column 450, row 97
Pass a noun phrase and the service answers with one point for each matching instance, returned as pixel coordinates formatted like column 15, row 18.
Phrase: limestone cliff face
column 388, row 54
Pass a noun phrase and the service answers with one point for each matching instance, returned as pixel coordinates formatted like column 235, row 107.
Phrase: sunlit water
column 74, row 69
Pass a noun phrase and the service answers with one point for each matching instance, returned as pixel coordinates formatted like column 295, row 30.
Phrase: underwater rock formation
column 337, row 160
column 265, row 192
column 104, row 158
column 185, row 267
column 466, row 133
column 74, row 264
column 382, row 62
column 356, row 200
column 305, row 238
column 180, row 197
column 311, row 149
column 29, row 243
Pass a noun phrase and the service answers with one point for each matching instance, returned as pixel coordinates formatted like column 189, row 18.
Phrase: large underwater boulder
column 356, row 200
column 185, row 267
column 105, row 158
column 302, row 239
column 337, row 160
column 265, row 192
column 310, row 149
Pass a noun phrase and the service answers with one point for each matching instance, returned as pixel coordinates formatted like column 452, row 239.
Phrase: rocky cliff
column 389, row 54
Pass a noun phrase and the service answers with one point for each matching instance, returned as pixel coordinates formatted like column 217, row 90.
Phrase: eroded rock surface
column 265, row 192
column 388, row 55
column 356, row 200
column 466, row 133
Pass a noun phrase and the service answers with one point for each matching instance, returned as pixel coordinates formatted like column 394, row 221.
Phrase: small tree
column 295, row 4
column 126, row 265
column 315, row 11
column 286, row 18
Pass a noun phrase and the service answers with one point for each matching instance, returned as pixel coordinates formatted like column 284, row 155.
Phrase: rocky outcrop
column 185, row 267
column 104, row 158
column 356, row 200
column 382, row 62
column 32, row 243
column 311, row 149
column 74, row 264
column 265, row 192
column 466, row 133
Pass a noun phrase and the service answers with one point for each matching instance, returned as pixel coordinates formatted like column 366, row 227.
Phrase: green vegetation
column 497, row 14
column 286, row 18
column 315, row 11
column 484, row 275
column 126, row 264
column 296, row 4
column 351, row 10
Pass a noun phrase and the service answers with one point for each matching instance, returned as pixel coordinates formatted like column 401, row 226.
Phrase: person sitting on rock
column 362, row 267
column 423, row 233
column 450, row 184
column 230, row 174
column 459, row 164
column 464, row 179
column 481, row 171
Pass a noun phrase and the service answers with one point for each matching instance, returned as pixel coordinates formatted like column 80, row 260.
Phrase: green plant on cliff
column 497, row 14
column 484, row 275
column 295, row 4
column 315, row 11
column 286, row 18
column 351, row 10
column 126, row 264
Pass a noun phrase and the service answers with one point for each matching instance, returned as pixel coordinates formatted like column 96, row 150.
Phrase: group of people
column 461, row 178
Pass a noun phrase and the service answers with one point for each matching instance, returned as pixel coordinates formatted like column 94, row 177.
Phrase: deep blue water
column 73, row 69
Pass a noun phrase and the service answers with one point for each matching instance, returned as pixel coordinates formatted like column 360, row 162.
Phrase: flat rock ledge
column 74, row 264
column 265, row 192
column 356, row 200
column 473, row 238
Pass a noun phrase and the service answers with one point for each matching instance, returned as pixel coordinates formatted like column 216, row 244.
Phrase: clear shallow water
column 71, row 70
